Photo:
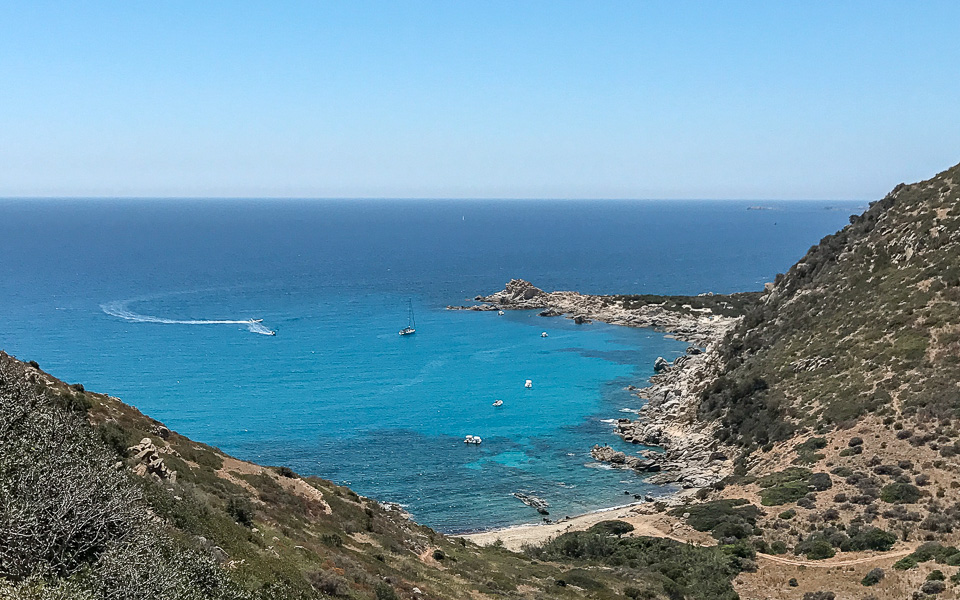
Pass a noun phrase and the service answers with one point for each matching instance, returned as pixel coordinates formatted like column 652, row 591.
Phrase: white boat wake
column 119, row 309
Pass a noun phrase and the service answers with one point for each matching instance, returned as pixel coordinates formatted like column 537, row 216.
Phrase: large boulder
column 660, row 365
column 519, row 294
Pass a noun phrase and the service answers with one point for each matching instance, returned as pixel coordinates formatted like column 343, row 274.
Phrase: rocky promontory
column 699, row 326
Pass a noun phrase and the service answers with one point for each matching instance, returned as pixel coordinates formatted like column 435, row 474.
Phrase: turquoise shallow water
column 352, row 400
column 337, row 393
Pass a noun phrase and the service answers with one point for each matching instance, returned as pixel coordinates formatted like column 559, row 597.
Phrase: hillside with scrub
column 837, row 396
column 100, row 501
column 867, row 323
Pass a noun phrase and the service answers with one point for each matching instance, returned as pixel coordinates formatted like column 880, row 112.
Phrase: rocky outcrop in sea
column 697, row 326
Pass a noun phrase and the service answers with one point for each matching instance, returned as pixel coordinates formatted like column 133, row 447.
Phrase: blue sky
column 834, row 100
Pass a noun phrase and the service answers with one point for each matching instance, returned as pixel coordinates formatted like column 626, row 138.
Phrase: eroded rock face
column 692, row 457
column 148, row 460
column 519, row 292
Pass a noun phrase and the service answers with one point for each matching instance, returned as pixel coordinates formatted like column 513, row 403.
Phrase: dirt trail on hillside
column 834, row 563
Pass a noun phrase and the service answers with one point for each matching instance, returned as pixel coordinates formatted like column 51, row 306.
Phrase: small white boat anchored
column 544, row 334
column 528, row 384
column 500, row 312
column 411, row 327
column 472, row 439
column 498, row 403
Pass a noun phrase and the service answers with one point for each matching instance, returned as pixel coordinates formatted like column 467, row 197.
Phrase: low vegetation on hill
column 727, row 305
column 868, row 322
column 840, row 390
column 99, row 501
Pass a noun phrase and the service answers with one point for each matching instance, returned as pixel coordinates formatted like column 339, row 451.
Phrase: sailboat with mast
column 411, row 327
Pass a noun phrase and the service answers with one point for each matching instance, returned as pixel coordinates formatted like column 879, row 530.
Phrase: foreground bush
column 72, row 524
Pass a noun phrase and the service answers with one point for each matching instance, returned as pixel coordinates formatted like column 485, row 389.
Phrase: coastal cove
column 337, row 393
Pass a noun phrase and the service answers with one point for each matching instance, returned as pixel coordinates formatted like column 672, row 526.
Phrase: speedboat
column 498, row 403
column 472, row 439
column 500, row 312
column 544, row 334
column 528, row 384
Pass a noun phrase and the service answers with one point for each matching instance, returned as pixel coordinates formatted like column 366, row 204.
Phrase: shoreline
column 644, row 516
column 691, row 459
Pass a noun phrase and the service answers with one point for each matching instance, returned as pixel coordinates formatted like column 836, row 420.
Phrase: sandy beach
column 644, row 518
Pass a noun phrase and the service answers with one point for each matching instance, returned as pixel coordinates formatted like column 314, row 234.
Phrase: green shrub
column 582, row 579
column 677, row 570
column 815, row 547
column 907, row 562
column 332, row 539
column 241, row 510
column 872, row 538
column 820, row 481
column 385, row 592
column 783, row 494
column 873, row 577
column 900, row 493
column 806, row 451
column 291, row 474
column 115, row 437
column 723, row 518
column 611, row 527
column 785, row 486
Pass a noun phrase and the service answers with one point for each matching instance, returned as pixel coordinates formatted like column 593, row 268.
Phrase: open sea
column 145, row 300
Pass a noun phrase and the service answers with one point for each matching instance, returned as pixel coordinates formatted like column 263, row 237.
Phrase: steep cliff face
column 868, row 322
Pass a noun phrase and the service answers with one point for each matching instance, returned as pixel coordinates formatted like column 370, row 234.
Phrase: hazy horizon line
column 431, row 199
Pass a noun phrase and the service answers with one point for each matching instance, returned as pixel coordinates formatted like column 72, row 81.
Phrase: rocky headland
column 700, row 326
column 692, row 457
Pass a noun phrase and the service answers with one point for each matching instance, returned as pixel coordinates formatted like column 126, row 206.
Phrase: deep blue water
column 337, row 393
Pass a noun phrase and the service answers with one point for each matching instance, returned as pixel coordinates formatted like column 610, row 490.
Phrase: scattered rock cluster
column 692, row 457
column 148, row 460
